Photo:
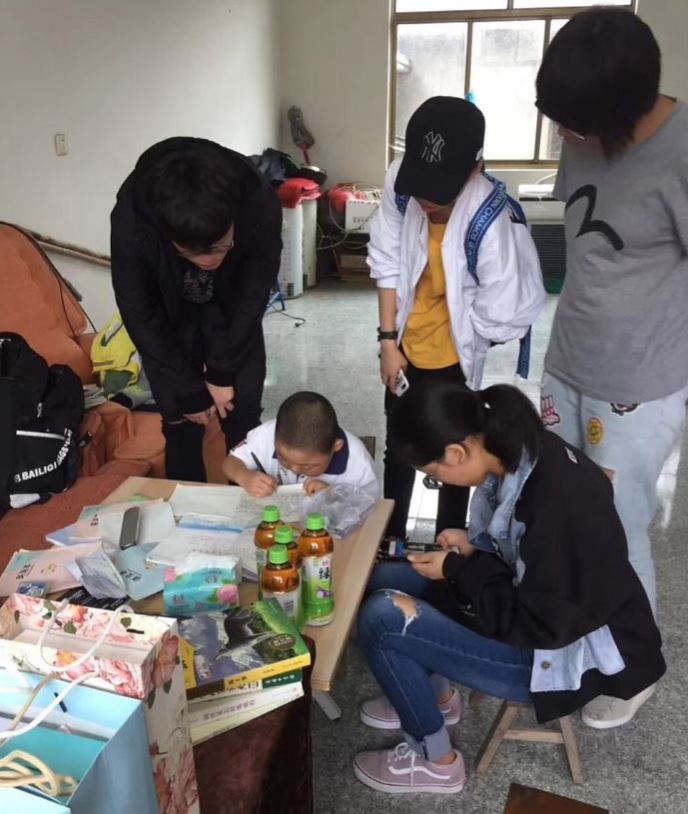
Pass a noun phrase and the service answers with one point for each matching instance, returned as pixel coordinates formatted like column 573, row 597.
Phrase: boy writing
column 305, row 445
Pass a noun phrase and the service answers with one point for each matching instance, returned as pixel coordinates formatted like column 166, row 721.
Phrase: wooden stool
column 503, row 729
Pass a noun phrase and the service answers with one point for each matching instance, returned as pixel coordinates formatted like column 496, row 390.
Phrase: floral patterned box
column 139, row 659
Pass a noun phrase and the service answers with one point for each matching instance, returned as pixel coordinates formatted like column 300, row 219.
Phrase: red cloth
column 295, row 190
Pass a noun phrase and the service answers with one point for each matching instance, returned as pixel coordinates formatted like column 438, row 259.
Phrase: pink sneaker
column 401, row 770
column 380, row 714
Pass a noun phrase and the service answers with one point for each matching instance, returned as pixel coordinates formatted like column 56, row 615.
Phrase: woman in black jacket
column 196, row 243
column 536, row 603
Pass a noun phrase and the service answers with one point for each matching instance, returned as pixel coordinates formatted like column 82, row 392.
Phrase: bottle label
column 290, row 602
column 317, row 586
column 261, row 559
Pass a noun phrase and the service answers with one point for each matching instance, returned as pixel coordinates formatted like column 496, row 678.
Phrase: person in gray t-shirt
column 616, row 369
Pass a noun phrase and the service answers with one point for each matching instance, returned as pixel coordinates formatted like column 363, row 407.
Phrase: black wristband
column 386, row 335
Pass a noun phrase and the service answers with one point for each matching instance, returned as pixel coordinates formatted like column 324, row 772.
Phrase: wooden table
column 352, row 563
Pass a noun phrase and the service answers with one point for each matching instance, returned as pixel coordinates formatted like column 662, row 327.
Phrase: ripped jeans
column 413, row 656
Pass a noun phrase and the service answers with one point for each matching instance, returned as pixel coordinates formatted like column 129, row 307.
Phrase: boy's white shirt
column 359, row 469
column 510, row 294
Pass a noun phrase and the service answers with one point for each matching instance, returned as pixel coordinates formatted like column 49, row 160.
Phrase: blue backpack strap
column 486, row 215
column 481, row 222
column 516, row 212
column 523, row 364
column 517, row 215
column 402, row 202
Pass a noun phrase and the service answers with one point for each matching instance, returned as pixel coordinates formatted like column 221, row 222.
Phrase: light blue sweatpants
column 633, row 441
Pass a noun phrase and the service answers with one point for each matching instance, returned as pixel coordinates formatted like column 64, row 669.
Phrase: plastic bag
column 344, row 507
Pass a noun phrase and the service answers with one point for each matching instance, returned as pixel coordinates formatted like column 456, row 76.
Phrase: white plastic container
column 291, row 263
column 310, row 239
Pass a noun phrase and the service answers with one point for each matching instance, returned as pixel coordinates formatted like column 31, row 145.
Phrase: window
column 489, row 48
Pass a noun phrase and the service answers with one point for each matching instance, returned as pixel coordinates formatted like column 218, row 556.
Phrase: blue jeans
column 408, row 654
column 633, row 442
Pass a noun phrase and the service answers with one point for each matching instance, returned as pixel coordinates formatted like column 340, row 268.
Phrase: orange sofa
column 36, row 303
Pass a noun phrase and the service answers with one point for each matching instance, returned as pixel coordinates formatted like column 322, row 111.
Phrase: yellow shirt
column 427, row 340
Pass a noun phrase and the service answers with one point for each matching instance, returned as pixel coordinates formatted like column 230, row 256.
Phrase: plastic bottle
column 280, row 579
column 284, row 536
column 316, row 547
column 264, row 537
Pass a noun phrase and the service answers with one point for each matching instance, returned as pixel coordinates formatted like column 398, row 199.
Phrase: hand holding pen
column 259, row 484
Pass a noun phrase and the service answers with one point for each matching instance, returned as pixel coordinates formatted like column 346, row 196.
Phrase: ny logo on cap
column 433, row 144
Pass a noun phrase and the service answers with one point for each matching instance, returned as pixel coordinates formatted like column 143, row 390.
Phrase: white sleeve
column 384, row 247
column 510, row 294
column 253, row 444
column 365, row 477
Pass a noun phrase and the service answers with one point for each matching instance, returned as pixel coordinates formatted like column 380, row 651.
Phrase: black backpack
column 41, row 409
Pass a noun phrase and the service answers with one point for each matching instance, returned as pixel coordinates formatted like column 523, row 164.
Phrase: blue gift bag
column 96, row 737
column 17, row 801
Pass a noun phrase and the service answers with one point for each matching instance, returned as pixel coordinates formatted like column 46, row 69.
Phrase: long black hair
column 432, row 415
column 600, row 75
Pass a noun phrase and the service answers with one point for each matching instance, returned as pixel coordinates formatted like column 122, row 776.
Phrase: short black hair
column 432, row 415
column 307, row 421
column 600, row 75
column 192, row 195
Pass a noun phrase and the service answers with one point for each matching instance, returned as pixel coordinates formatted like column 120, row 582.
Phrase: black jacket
column 577, row 579
column 147, row 276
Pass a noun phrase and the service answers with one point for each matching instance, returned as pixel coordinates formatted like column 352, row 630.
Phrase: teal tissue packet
column 199, row 591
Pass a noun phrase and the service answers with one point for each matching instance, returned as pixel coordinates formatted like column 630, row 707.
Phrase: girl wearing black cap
column 454, row 272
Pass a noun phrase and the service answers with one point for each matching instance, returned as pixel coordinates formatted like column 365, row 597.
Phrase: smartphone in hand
column 402, row 384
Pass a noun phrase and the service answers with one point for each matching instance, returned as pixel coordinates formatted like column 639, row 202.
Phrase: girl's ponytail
column 511, row 424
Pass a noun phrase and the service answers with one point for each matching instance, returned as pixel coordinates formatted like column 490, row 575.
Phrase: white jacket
column 510, row 293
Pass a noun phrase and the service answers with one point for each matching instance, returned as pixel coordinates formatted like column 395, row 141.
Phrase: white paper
column 88, row 524
column 182, row 542
column 156, row 522
column 233, row 503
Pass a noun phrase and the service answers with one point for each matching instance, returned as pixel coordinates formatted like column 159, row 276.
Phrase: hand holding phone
column 402, row 384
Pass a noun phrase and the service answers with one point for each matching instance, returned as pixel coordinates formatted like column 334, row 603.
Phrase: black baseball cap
column 444, row 141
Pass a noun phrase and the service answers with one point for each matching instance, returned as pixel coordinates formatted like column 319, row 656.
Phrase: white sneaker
column 605, row 712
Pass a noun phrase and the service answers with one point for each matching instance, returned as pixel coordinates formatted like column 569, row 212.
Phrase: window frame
column 510, row 14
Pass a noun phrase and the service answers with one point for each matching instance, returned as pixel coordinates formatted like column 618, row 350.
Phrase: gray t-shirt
column 620, row 333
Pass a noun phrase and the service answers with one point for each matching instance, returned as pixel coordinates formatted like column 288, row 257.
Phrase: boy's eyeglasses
column 214, row 251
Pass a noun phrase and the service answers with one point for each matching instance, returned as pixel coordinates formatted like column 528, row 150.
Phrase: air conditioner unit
column 546, row 221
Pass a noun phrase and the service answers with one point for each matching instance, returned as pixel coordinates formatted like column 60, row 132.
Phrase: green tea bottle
column 316, row 548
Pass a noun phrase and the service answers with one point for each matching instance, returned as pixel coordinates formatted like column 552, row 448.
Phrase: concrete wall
column 334, row 64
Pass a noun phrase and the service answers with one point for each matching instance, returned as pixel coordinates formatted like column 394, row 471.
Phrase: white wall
column 334, row 64
column 669, row 21
column 117, row 76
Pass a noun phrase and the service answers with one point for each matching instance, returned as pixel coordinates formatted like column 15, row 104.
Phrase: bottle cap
column 271, row 514
column 284, row 534
column 315, row 522
column 278, row 555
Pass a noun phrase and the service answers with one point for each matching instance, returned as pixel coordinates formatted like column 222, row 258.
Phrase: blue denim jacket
column 493, row 527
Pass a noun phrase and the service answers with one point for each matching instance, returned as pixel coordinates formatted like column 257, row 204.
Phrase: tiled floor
column 642, row 767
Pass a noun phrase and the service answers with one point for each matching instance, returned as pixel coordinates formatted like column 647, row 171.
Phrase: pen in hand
column 256, row 461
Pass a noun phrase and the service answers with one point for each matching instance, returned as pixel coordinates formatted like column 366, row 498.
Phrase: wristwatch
column 386, row 335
